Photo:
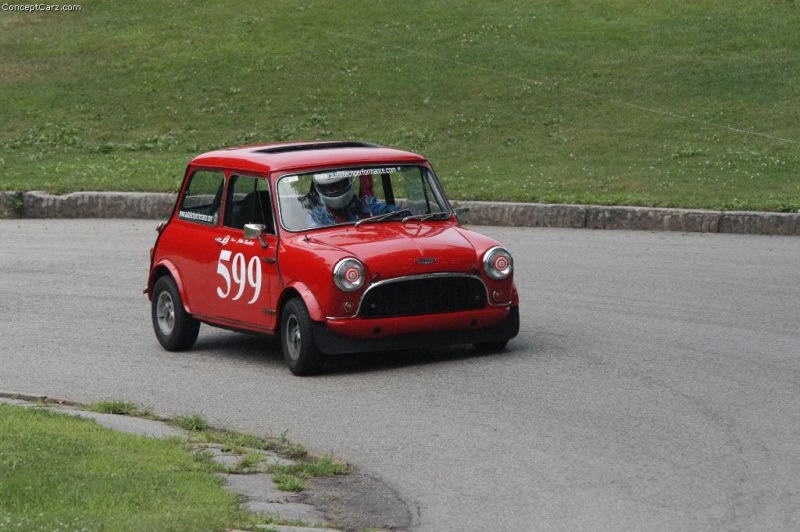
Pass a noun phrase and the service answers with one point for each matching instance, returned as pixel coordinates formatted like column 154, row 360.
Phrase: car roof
column 292, row 156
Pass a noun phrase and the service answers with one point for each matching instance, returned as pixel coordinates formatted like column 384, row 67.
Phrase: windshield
column 359, row 194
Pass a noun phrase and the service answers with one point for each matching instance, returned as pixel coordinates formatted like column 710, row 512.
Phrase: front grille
column 423, row 295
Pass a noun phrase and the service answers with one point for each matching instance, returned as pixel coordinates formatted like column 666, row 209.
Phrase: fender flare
column 305, row 293
column 167, row 265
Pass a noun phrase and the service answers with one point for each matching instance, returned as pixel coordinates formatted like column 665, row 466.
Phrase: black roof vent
column 287, row 148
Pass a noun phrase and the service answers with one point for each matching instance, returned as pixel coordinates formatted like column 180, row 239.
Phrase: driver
column 339, row 203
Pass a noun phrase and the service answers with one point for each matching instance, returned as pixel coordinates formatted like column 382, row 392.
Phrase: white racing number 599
column 242, row 274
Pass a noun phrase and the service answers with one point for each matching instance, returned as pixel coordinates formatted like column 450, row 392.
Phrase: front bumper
column 331, row 343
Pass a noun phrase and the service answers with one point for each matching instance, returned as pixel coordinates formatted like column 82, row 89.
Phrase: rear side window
column 203, row 197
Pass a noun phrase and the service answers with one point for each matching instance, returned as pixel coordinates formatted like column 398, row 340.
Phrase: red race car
column 333, row 247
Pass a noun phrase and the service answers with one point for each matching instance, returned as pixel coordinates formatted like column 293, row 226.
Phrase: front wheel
column 300, row 351
column 175, row 328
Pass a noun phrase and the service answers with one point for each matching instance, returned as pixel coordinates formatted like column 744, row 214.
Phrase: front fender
column 305, row 293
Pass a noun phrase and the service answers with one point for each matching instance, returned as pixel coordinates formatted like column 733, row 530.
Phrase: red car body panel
column 383, row 327
column 228, row 280
column 248, row 158
column 401, row 245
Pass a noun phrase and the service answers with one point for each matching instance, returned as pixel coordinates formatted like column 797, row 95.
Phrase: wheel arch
column 166, row 267
column 303, row 292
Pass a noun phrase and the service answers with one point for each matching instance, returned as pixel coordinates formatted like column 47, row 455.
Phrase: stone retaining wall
column 630, row 218
column 88, row 205
column 144, row 205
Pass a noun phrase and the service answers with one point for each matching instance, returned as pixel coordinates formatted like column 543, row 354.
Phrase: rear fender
column 165, row 267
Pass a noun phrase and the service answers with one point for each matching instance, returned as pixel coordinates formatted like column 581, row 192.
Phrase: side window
column 203, row 197
column 248, row 203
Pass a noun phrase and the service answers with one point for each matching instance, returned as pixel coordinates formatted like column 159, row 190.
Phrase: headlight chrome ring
column 348, row 275
column 498, row 263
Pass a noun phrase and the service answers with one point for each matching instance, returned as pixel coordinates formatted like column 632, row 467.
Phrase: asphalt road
column 655, row 384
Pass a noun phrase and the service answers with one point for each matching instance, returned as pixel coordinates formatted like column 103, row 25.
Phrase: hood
column 396, row 249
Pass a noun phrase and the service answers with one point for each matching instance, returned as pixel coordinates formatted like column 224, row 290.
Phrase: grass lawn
column 58, row 472
column 677, row 104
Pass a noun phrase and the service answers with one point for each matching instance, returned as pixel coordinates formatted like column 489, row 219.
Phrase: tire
column 300, row 351
column 176, row 329
column 491, row 347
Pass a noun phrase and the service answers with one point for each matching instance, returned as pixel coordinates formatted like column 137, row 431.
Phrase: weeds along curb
column 145, row 205
column 12, row 205
column 36, row 398
column 309, row 455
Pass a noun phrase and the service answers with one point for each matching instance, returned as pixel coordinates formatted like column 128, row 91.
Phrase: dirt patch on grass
column 14, row 72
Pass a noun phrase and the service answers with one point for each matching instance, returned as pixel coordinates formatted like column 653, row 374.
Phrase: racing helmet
column 335, row 188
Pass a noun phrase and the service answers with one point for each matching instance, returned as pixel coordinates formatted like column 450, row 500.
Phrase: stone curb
column 630, row 218
column 144, row 205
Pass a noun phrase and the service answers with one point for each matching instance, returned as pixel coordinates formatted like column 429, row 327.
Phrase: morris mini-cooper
column 332, row 247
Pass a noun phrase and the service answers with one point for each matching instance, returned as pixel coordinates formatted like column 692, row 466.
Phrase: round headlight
column 497, row 263
column 348, row 275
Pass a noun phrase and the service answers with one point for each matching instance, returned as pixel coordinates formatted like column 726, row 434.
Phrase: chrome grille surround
column 414, row 295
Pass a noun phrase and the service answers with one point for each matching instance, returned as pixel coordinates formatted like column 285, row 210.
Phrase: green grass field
column 62, row 473
column 623, row 102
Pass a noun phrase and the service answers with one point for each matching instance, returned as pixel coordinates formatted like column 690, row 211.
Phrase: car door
column 190, row 244
column 244, row 269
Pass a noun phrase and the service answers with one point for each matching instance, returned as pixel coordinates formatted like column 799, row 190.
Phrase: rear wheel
column 300, row 351
column 175, row 328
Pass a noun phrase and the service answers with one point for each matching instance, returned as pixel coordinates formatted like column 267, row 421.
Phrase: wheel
column 175, row 329
column 300, row 351
column 491, row 347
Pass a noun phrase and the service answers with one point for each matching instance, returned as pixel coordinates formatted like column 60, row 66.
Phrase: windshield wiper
column 379, row 217
column 422, row 217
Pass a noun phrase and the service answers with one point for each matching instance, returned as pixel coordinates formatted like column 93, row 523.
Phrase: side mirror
column 253, row 230
column 256, row 231
column 462, row 215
